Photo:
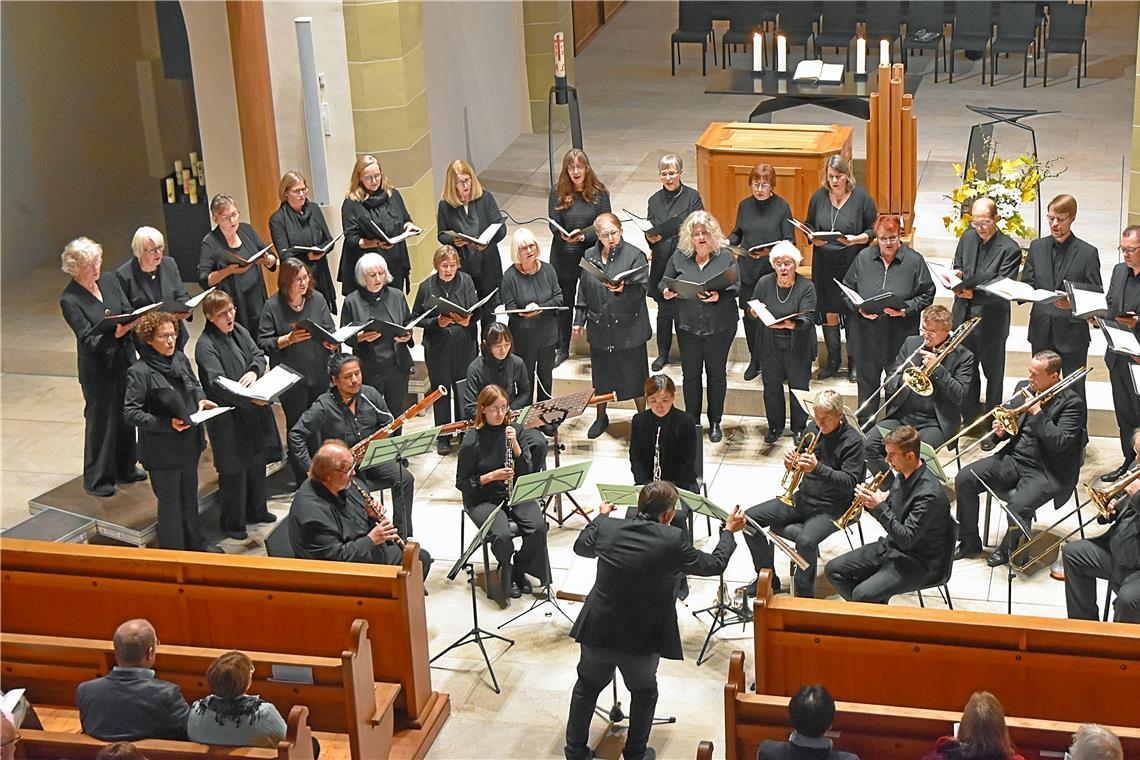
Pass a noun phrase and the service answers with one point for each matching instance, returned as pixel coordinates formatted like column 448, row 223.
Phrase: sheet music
column 265, row 388
column 208, row 414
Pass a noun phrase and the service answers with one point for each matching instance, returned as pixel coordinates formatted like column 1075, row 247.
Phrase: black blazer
column 1116, row 305
column 484, row 267
column 1001, row 258
column 632, row 607
column 1049, row 326
column 1060, row 430
column 951, row 380
column 916, row 517
column 161, row 447
column 167, row 284
column 129, row 704
column 616, row 321
column 237, row 437
column 99, row 352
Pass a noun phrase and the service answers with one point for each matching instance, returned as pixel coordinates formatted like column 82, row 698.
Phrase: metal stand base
column 723, row 615
column 547, row 598
column 477, row 634
column 616, row 715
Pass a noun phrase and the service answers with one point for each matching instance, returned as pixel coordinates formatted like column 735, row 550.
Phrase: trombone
column 794, row 474
column 1101, row 498
column 855, row 511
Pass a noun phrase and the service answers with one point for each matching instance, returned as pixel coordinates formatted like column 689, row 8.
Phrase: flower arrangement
column 1009, row 183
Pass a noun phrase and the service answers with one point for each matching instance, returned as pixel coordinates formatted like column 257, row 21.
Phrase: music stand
column 539, row 485
column 1026, row 531
column 618, row 495
column 926, row 453
column 392, row 448
column 555, row 411
column 476, row 634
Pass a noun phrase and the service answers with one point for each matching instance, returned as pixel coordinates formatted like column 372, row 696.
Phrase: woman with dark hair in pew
column 982, row 734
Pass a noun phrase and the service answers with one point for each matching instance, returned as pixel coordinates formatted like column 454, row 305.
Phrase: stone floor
column 633, row 111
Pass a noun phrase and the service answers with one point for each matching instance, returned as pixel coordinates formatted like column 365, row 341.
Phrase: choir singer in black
column 706, row 325
column 530, row 284
column 615, row 319
column 104, row 353
column 372, row 202
column 888, row 266
column 299, row 222
column 1124, row 303
column 152, row 277
column 220, row 263
column 830, row 474
column 629, row 620
column 916, row 516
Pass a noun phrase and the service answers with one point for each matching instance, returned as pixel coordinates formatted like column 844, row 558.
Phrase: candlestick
column 757, row 51
column 884, row 53
column 560, row 55
column 860, row 56
column 781, row 54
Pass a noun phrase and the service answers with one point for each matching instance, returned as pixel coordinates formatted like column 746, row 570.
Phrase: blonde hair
column 356, row 190
column 522, row 236
column 143, row 234
column 78, row 252
column 288, row 179
column 700, row 219
column 451, row 192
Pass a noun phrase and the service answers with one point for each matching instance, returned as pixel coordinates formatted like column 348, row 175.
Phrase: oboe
column 509, row 458
column 373, row 509
column 657, row 456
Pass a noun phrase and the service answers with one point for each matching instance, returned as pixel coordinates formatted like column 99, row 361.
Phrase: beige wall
column 1134, row 171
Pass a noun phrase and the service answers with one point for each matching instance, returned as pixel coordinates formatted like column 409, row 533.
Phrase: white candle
column 178, row 168
column 781, row 54
column 860, row 56
column 757, row 51
column 560, row 55
column 884, row 53
column 194, row 163
column 170, row 189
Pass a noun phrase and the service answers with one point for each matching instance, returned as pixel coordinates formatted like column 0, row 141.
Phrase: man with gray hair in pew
column 811, row 710
column 129, row 703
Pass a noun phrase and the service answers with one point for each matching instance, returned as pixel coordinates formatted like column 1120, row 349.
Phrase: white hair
column 142, row 235
column 786, row 250
column 367, row 263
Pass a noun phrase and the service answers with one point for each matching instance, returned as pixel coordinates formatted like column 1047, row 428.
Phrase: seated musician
column 1041, row 462
column 936, row 417
column 490, row 457
column 830, row 474
column 351, row 411
column 916, row 515
column 664, row 438
column 329, row 520
column 811, row 711
column 1113, row 555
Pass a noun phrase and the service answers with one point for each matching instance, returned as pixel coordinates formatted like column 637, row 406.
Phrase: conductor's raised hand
column 735, row 520
column 606, row 507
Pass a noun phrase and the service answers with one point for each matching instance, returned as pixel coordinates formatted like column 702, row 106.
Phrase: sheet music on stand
column 537, row 486
column 398, row 447
column 619, row 495
column 476, row 541
column 926, row 453
column 555, row 411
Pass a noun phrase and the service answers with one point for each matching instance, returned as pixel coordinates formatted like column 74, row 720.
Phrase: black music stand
column 555, row 411
column 1026, row 531
column 476, row 634
column 543, row 485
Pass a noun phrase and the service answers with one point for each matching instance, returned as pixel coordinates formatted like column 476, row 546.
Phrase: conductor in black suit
column 629, row 620
column 1053, row 260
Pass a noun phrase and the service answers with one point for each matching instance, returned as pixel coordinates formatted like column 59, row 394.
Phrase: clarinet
column 373, row 509
column 657, row 456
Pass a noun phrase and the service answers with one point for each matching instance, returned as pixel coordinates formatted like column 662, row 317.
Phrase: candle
column 884, row 53
column 560, row 55
column 178, row 168
column 194, row 163
column 860, row 56
column 757, row 51
column 782, row 54
column 193, row 191
column 170, row 189
column 201, row 173
column 186, row 181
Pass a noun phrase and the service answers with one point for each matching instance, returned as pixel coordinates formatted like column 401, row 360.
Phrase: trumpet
column 855, row 511
column 794, row 474
column 374, row 510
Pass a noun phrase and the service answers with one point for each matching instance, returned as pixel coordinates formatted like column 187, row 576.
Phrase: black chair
column 1066, row 35
column 694, row 25
column 972, row 31
column 1016, row 33
column 924, row 16
column 884, row 22
column 1007, row 494
column 277, row 543
column 836, row 29
column 797, row 22
column 942, row 581
column 743, row 20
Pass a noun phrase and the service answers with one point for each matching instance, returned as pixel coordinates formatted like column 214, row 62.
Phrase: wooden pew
column 264, row 604
column 1046, row 668
column 51, row 745
column 873, row 731
column 342, row 697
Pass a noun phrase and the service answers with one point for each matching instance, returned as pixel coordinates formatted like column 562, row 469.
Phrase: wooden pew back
column 872, row 730
column 911, row 657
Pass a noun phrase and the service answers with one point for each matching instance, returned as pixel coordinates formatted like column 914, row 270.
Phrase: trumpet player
column 328, row 519
column 1113, row 555
column 916, row 515
column 1041, row 462
column 935, row 416
column 830, row 473
column 351, row 411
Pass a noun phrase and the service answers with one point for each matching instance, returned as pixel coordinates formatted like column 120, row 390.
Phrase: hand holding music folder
column 484, row 237
column 110, row 322
column 234, row 259
column 268, row 387
column 321, row 249
column 666, row 229
column 1086, row 300
column 1120, row 340
column 825, row 235
column 592, row 269
column 175, row 306
column 337, row 336
column 872, row 304
column 385, row 327
column 692, row 290
column 1016, row 290
column 404, row 235
column 947, row 277
column 766, row 316
column 444, row 306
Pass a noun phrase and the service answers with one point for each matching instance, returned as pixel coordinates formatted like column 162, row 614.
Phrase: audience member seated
column 8, row 738
column 129, row 703
column 229, row 716
column 982, row 734
column 120, row 751
column 1094, row 742
column 811, row 711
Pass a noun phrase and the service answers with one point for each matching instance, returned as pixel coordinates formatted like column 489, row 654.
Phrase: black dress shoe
column 715, row 433
column 851, row 374
column 772, row 436
column 1110, row 477
column 967, row 551
column 560, row 356
column 797, row 436
column 516, row 591
column 237, row 535
column 102, row 490
column 1001, row 554
column 523, row 585
column 752, row 372
column 442, row 446
column 137, row 475
column 266, row 517
column 826, row 372
column 599, row 427
column 659, row 363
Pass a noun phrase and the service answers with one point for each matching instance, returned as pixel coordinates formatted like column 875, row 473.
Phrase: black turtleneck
column 482, row 451
column 390, row 305
column 509, row 374
column 759, row 222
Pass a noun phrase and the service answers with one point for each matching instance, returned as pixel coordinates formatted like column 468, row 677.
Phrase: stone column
column 541, row 19
column 1134, row 171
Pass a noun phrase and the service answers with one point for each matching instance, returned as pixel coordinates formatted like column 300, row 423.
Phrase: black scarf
column 243, row 709
column 175, row 368
column 234, row 360
column 299, row 226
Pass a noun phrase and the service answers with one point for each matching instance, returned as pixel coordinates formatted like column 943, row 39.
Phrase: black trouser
column 392, row 382
column 443, row 372
column 390, row 553
column 397, row 477
column 1085, row 561
column 109, row 450
column 532, row 557
column 1126, row 403
column 595, row 671
column 750, row 326
column 1001, row 474
column 777, row 367
column 874, row 357
column 807, row 530
column 666, row 317
column 177, row 493
column 875, row 452
column 294, row 403
column 538, row 359
column 242, row 495
column 867, row 575
column 990, row 355
column 566, row 265
column 707, row 353
column 535, row 443
column 1071, row 361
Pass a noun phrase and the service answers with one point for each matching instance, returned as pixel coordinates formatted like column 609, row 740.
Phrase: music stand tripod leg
column 547, row 598
column 476, row 634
